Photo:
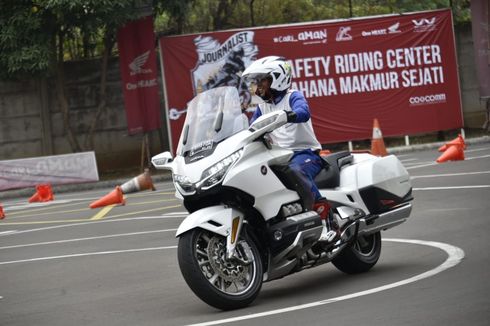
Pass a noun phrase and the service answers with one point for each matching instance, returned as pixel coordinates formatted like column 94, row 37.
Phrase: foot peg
column 327, row 236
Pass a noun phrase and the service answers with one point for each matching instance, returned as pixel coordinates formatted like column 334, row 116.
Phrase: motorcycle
column 251, row 219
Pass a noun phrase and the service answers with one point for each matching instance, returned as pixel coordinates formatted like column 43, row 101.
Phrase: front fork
column 233, row 235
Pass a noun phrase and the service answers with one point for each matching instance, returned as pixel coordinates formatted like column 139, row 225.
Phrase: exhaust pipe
column 384, row 221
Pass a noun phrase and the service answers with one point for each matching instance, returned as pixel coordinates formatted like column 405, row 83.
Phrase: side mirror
column 162, row 161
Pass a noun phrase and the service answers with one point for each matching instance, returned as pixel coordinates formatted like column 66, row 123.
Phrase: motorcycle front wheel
column 220, row 282
column 360, row 256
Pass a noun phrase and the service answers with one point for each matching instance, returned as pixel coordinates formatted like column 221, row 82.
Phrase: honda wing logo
column 394, row 28
column 136, row 66
column 424, row 24
column 343, row 34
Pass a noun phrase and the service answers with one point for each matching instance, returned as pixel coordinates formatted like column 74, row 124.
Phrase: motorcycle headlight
column 183, row 182
column 217, row 172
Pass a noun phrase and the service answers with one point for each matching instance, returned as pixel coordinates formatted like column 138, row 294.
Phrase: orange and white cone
column 139, row 183
column 456, row 141
column 2, row 214
column 453, row 153
column 44, row 193
column 377, row 143
column 114, row 197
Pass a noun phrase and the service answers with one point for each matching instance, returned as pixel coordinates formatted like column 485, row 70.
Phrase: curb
column 421, row 147
column 27, row 192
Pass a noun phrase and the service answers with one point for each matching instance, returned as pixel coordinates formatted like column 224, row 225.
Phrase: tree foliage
column 209, row 15
column 33, row 32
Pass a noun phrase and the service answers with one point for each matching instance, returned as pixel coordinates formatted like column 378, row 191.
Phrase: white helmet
column 272, row 66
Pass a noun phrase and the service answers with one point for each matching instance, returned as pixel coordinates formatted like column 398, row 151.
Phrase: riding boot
column 322, row 207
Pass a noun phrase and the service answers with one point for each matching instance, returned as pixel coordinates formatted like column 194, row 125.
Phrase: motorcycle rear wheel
column 221, row 283
column 360, row 256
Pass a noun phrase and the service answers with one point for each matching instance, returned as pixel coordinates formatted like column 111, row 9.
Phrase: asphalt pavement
column 62, row 263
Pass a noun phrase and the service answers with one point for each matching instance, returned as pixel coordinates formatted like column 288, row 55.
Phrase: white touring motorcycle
column 251, row 218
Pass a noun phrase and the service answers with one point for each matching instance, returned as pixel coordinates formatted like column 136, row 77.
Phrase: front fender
column 217, row 219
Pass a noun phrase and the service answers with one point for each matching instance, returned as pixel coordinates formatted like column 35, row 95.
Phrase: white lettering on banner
column 310, row 67
column 368, row 71
column 416, row 56
column 285, row 39
column 141, row 84
column 422, row 76
column 358, row 62
column 427, row 99
column 312, row 35
column 213, row 51
column 374, row 32
column 316, row 88
column 59, row 169
column 369, row 82
column 307, row 37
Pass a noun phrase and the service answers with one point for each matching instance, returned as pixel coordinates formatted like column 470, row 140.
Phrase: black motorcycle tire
column 202, row 287
column 356, row 258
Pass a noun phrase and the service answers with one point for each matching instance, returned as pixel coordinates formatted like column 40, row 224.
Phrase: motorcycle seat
column 329, row 176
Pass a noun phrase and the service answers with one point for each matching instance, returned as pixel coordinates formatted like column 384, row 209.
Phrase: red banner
column 137, row 58
column 400, row 69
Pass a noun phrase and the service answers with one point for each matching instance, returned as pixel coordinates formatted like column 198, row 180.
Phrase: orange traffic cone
column 114, row 197
column 2, row 214
column 139, row 183
column 453, row 153
column 325, row 152
column 377, row 144
column 43, row 193
column 456, row 141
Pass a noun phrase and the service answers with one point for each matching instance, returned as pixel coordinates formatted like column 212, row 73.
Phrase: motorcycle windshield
column 212, row 116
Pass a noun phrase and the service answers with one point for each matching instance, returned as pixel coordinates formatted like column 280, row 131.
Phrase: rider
column 272, row 76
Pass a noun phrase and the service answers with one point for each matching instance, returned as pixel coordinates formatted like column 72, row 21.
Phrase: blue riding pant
column 308, row 164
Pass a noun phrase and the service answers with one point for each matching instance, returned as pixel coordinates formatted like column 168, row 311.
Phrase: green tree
column 37, row 37
column 209, row 15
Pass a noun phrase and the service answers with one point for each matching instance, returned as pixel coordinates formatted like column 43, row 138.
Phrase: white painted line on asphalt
column 7, row 232
column 36, row 205
column 435, row 163
column 417, row 163
column 447, row 174
column 452, row 188
column 88, row 238
column 409, row 159
column 477, row 150
column 421, row 165
column 93, row 222
column 97, row 253
column 455, row 255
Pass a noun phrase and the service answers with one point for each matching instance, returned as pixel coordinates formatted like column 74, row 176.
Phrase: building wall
column 31, row 123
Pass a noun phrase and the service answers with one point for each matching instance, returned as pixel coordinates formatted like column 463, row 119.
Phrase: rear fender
column 220, row 219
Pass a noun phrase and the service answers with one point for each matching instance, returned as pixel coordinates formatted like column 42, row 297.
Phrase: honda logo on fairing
column 424, row 24
column 136, row 66
column 343, row 34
